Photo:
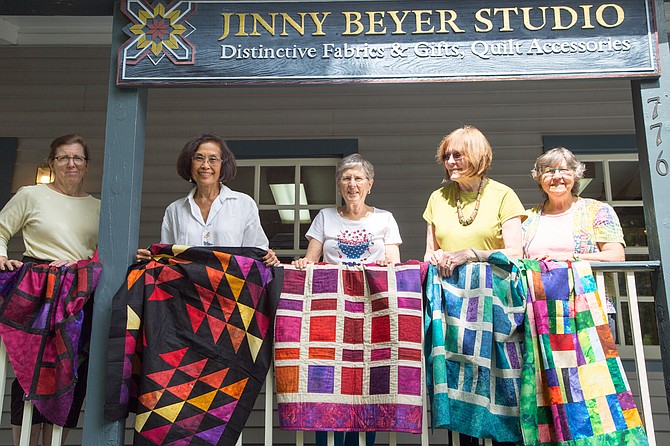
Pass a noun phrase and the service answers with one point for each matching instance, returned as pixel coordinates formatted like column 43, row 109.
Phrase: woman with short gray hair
column 352, row 162
column 354, row 232
column 565, row 226
column 554, row 157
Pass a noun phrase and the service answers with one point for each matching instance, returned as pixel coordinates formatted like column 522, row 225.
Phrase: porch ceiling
column 56, row 22
column 57, row 7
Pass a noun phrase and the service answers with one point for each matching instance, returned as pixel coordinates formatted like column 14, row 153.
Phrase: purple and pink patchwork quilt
column 348, row 348
column 42, row 325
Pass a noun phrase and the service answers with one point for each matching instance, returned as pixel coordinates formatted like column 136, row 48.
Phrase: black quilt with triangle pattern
column 190, row 343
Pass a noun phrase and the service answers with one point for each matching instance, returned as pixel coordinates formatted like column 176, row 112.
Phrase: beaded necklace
column 459, row 207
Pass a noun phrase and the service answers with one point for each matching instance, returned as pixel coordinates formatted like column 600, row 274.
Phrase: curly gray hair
column 555, row 157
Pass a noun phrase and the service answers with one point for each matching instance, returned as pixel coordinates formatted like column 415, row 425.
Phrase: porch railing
column 599, row 268
column 627, row 268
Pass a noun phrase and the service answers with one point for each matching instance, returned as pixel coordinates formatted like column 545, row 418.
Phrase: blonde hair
column 474, row 147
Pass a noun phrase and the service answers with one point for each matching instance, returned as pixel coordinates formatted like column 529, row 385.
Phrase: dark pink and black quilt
column 43, row 324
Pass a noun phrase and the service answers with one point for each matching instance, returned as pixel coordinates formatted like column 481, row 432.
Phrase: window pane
column 609, row 300
column 625, row 178
column 593, row 184
column 287, row 259
column 243, row 181
column 278, row 232
column 642, row 284
column 632, row 223
column 647, row 321
column 626, row 324
column 610, row 288
column 276, row 176
column 319, row 184
column 304, row 227
column 642, row 279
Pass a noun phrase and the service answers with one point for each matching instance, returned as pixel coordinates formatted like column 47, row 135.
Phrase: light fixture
column 44, row 175
column 284, row 195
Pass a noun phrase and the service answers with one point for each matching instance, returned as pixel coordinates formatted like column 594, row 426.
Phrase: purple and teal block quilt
column 348, row 348
column 191, row 343
column 45, row 325
column 574, row 390
column 474, row 348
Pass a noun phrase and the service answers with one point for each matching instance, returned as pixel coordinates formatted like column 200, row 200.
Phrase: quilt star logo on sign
column 157, row 31
column 290, row 42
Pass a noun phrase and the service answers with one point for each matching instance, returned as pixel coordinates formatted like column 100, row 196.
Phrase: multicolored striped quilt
column 348, row 348
column 46, row 330
column 473, row 348
column 191, row 343
column 575, row 390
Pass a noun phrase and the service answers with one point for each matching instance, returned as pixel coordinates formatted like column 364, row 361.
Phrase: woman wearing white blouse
column 211, row 214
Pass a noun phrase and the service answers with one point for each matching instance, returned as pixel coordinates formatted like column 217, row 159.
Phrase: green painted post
column 119, row 231
column 651, row 103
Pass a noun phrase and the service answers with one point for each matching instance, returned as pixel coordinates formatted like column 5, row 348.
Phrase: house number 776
column 661, row 163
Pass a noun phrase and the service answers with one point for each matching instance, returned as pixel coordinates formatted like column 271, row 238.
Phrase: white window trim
column 296, row 163
column 625, row 350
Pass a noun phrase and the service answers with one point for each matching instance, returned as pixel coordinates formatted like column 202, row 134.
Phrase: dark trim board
column 8, row 148
column 592, row 144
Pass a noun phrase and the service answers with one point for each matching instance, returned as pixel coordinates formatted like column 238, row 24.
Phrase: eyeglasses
column 457, row 156
column 357, row 180
column 64, row 160
column 563, row 171
column 212, row 160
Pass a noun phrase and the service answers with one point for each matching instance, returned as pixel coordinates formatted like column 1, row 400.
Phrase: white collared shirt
column 233, row 221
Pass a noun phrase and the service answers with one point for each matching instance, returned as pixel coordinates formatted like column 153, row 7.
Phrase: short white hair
column 351, row 162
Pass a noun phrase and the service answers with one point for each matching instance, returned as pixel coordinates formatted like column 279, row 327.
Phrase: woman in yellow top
column 472, row 215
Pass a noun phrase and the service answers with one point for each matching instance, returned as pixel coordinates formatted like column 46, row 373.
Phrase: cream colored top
column 54, row 226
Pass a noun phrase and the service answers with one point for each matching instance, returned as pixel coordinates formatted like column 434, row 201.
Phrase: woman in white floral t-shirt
column 355, row 233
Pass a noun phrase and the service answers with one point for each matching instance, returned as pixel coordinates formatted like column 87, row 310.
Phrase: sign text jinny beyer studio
column 224, row 42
